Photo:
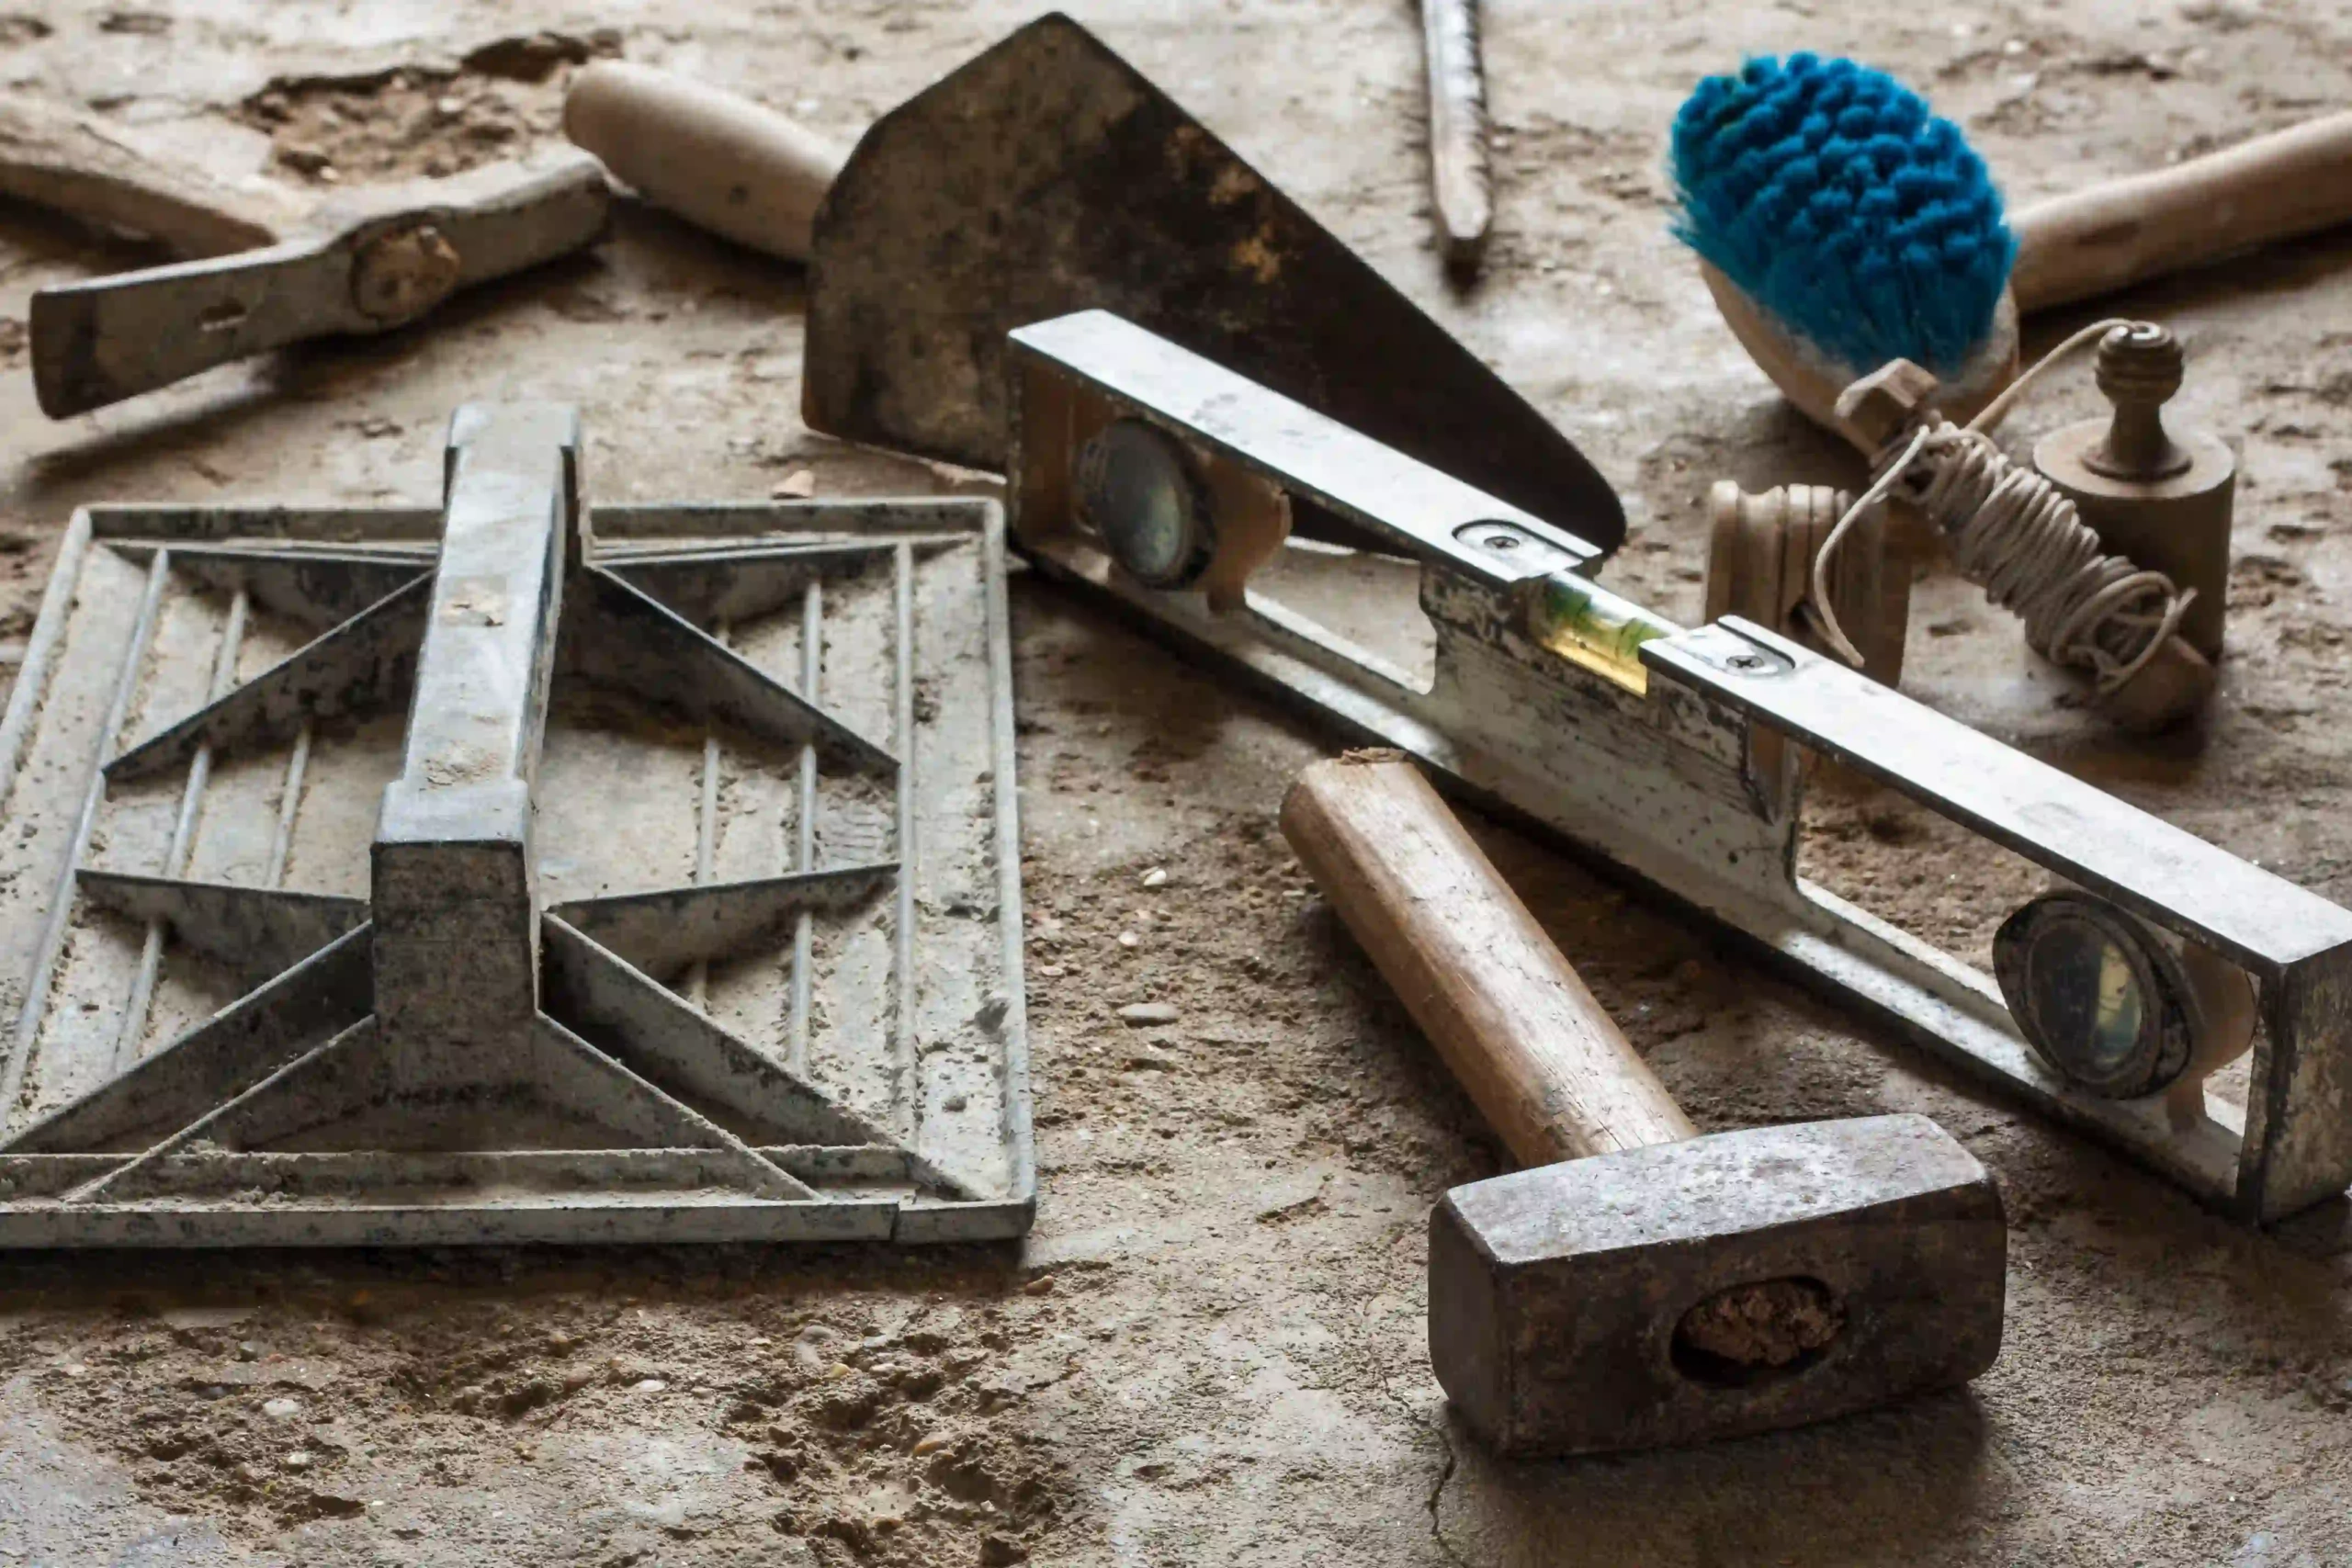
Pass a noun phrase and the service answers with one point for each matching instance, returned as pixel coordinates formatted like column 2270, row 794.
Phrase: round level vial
column 1135, row 490
column 2097, row 992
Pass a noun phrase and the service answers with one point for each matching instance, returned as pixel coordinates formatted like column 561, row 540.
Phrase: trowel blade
column 1048, row 176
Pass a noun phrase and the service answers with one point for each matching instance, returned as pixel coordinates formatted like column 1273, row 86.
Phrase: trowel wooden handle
column 1545, row 1066
column 712, row 158
column 2113, row 235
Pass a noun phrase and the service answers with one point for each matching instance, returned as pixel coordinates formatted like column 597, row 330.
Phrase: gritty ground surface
column 1210, row 1349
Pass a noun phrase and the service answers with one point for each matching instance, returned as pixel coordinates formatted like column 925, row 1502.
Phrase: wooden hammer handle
column 1545, row 1066
column 2111, row 236
column 714, row 159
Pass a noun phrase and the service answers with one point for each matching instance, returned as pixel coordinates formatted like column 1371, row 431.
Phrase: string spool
column 1761, row 550
column 2020, row 537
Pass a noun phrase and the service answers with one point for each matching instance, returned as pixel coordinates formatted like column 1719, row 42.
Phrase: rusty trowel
column 1047, row 176
column 264, row 268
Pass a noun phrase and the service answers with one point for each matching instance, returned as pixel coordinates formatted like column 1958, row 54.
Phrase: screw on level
column 1747, row 662
column 1522, row 551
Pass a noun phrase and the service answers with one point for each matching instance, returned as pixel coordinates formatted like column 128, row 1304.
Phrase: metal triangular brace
column 316, row 589
column 623, row 639
column 254, row 932
column 225, row 1054
column 359, row 667
column 664, row 930
column 744, row 582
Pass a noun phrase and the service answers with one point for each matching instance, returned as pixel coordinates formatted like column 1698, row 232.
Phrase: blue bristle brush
column 1856, row 226
column 1836, row 201
column 1840, row 224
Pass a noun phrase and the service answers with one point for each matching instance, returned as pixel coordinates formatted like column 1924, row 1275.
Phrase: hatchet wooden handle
column 1550, row 1071
column 55, row 159
column 714, row 159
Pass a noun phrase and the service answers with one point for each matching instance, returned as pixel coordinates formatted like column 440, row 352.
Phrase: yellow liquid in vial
column 1590, row 626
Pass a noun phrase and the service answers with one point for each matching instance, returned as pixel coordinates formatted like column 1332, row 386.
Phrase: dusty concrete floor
column 1209, row 1350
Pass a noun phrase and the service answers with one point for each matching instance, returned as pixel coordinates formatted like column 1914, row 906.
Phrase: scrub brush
column 1841, row 225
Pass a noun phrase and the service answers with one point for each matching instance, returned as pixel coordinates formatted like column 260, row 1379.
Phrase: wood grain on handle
column 2116, row 234
column 1460, row 187
column 714, row 159
column 1552, row 1073
column 69, row 165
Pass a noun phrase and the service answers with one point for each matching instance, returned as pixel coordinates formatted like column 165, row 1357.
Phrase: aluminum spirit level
column 1662, row 752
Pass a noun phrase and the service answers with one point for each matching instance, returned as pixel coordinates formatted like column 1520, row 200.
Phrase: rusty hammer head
column 1720, row 1285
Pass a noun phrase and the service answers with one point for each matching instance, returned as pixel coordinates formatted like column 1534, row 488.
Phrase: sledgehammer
column 1652, row 1287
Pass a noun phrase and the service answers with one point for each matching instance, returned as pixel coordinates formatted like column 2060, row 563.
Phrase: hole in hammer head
column 1746, row 1334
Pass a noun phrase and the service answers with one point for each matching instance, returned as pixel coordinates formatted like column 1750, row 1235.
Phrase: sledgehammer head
column 1723, row 1285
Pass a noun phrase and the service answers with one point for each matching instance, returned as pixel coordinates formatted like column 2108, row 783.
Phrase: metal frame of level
column 1672, row 769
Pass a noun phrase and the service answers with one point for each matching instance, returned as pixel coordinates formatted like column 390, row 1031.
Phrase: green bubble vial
column 1591, row 627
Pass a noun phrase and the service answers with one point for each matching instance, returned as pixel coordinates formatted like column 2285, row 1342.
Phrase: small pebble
column 248, row 1350
column 1155, row 877
column 1129, row 939
column 281, row 1409
column 1143, row 1014
column 298, row 1459
column 648, row 1385
column 800, row 482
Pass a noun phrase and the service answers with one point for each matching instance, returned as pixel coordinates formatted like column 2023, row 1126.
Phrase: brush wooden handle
column 2114, row 235
column 714, row 159
column 1545, row 1066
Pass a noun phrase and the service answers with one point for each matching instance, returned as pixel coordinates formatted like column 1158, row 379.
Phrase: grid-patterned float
column 501, row 874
